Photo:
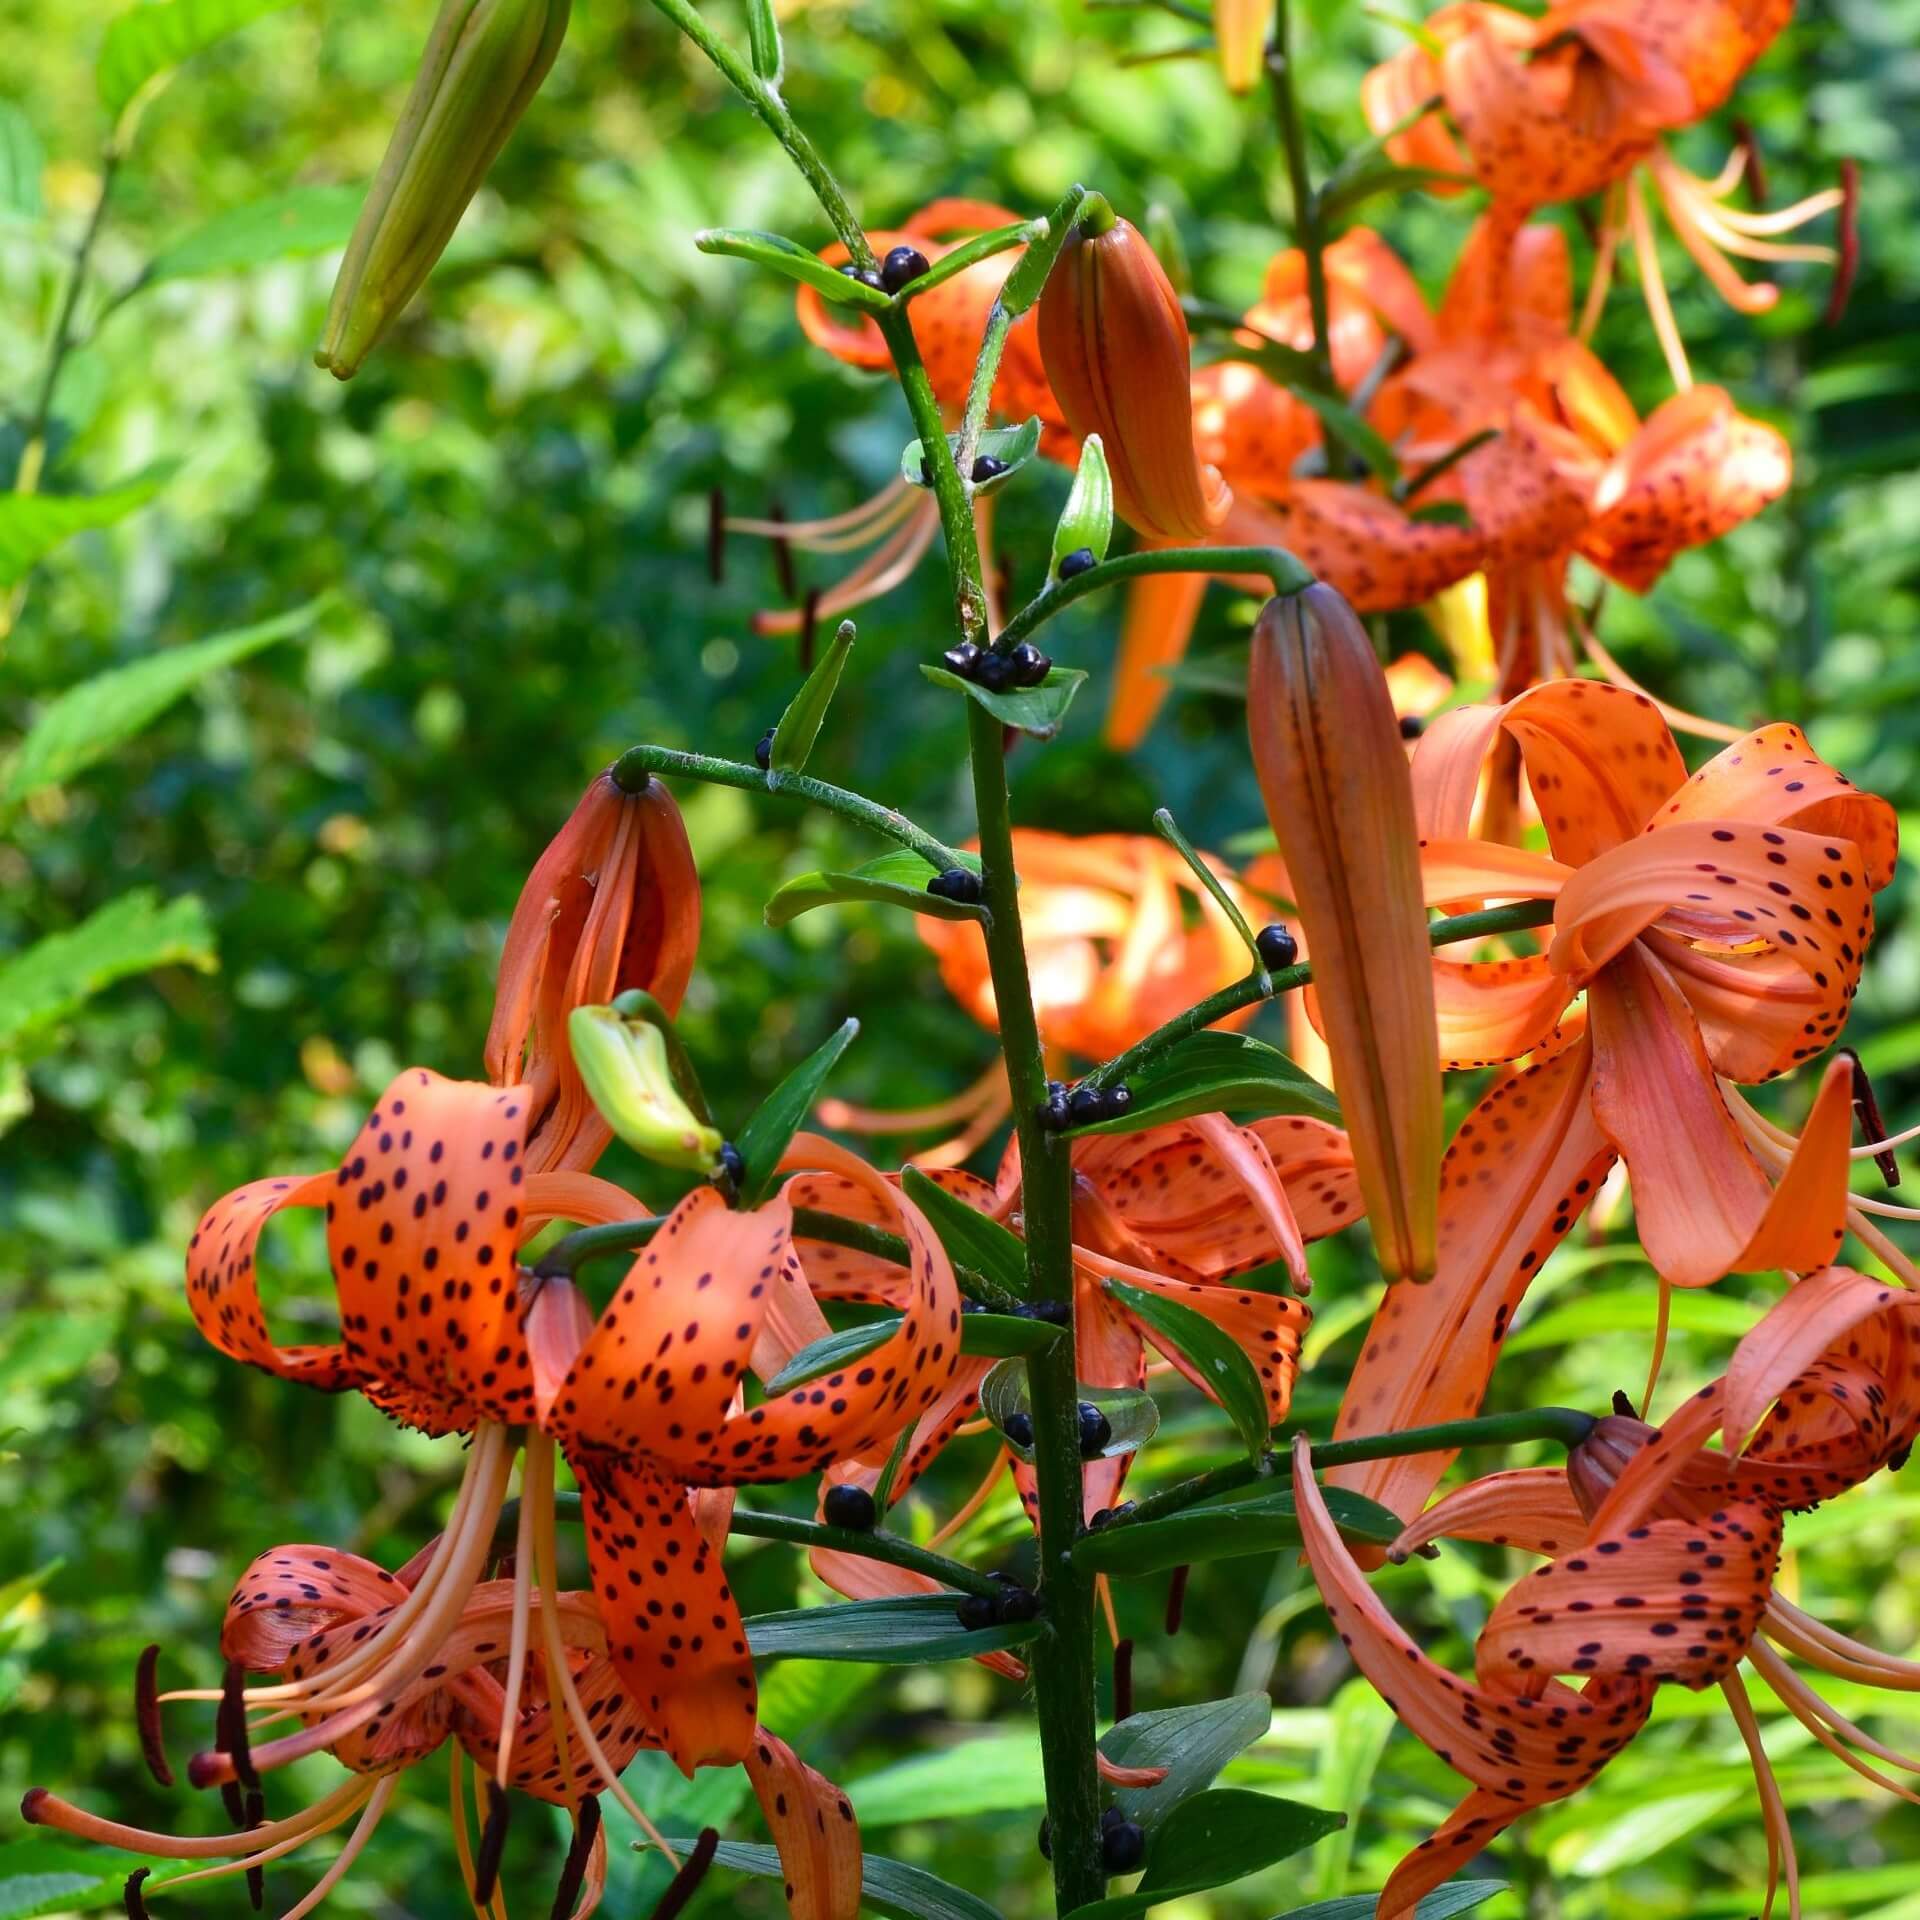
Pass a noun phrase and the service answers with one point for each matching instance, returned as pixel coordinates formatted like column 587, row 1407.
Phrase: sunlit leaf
column 799, row 727
column 765, row 1137
column 22, row 160
column 897, row 879
column 1214, row 1072
column 1013, row 447
column 1264, row 1522
column 33, row 524
column 792, row 262
column 146, row 40
column 284, row 226
column 1035, row 710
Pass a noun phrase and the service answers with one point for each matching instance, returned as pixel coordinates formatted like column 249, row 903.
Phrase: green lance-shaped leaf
column 1212, row 1840
column 985, row 1336
column 1192, row 1743
column 85, row 724
column 1443, row 1903
column 793, row 262
column 968, row 1235
column 147, row 41
column 22, row 161
column 1226, row 1529
column 1035, row 710
column 897, row 879
column 764, row 1138
column 1132, row 1417
column 1168, row 828
column 904, row 1632
column 133, row 934
column 896, row 1459
column 1086, row 521
column 33, row 524
column 1213, row 1353
column 1214, row 1072
column 799, row 728
column 1013, row 447
column 284, row 226
column 889, row 1887
column 623, row 1061
column 983, row 246
column 763, row 41
column 484, row 62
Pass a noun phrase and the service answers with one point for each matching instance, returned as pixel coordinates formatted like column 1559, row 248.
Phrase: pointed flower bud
column 1240, row 33
column 613, row 903
column 484, row 62
column 1086, row 521
column 1333, row 773
column 623, row 1061
column 1119, row 361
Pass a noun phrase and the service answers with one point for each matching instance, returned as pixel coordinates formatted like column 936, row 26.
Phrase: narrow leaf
column 1035, row 710
column 1365, row 174
column 968, row 1235
column 1191, row 1743
column 883, row 1487
column 981, row 247
column 1215, row 1354
column 33, row 524
column 793, row 262
column 1353, row 432
column 764, row 1138
column 906, row 1632
column 1214, row 1072
column 87, row 722
column 897, row 879
column 763, row 40
column 22, row 161
column 833, row 1350
column 132, row 934
column 1265, row 1523
column 799, row 728
column 1013, row 447
column 147, row 40
column 284, row 226
column 1443, row 1903
column 890, row 1887
column 1168, row 828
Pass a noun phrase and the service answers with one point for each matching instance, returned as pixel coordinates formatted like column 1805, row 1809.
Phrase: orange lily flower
column 900, row 521
column 613, row 903
column 1717, row 925
column 1663, row 1557
column 1120, row 937
column 300, row 1607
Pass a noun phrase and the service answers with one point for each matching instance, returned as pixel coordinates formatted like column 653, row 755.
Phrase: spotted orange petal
column 813, row 1827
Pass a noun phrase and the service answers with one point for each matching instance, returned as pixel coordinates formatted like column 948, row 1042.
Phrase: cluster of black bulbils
column 1123, row 1842
column 1009, row 1603
column 1095, row 1430
column 1021, row 666
column 900, row 268
column 850, row 1507
column 956, row 883
column 1082, row 1106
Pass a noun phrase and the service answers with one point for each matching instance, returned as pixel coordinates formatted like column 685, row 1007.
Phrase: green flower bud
column 1087, row 519
column 623, row 1061
column 484, row 62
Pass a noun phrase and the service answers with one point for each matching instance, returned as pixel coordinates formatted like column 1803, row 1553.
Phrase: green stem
column 751, row 1525
column 764, row 98
column 1262, row 986
column 630, row 770
column 572, row 1251
column 1286, row 573
column 1564, row 1426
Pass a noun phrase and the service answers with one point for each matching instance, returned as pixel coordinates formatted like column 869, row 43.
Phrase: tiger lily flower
column 899, row 523
column 300, row 1607
column 1820, row 1396
column 1717, row 924
column 613, row 903
column 1120, row 936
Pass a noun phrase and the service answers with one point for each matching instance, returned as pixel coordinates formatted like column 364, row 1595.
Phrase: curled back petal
column 1530, row 1508
column 290, row 1593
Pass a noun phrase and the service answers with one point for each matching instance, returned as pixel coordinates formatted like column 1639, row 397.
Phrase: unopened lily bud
column 484, row 62
column 1240, row 33
column 1118, row 360
column 1086, row 522
column 623, row 1061
column 613, row 904
column 1333, row 773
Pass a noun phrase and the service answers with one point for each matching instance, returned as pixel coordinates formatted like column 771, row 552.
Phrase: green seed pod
column 1086, row 521
column 484, row 61
column 623, row 1060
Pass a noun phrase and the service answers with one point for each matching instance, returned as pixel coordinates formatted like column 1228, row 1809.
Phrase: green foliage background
column 508, row 508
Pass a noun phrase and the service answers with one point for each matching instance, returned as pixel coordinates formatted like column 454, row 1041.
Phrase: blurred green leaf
column 1443, row 1903
column 986, row 1772
column 21, row 162
column 85, row 724
column 284, row 226
column 887, row 1886
column 145, row 41
column 132, row 934
column 904, row 1632
column 33, row 524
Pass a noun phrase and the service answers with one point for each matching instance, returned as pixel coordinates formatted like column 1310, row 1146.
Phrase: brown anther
column 1744, row 139
column 146, row 1709
column 693, row 1869
column 809, row 620
column 493, row 1839
column 783, row 555
column 1176, row 1599
column 1848, row 263
column 1866, row 1107
column 586, row 1824
column 130, row 1893
column 230, row 1726
column 1123, row 1679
